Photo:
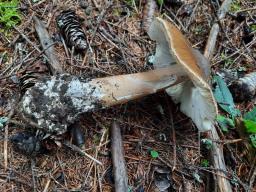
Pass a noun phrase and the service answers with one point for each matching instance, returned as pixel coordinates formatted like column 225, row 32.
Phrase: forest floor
column 119, row 45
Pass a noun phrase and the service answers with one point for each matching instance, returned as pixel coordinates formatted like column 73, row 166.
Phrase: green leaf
column 250, row 126
column 251, row 115
column 226, row 60
column 205, row 163
column 207, row 143
column 154, row 154
column 253, row 27
column 3, row 120
column 253, row 140
column 235, row 6
column 224, row 97
column 225, row 123
column 160, row 2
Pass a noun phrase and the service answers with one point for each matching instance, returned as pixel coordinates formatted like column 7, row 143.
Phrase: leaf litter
column 117, row 46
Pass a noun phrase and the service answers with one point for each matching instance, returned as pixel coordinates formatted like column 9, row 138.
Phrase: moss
column 235, row 6
column 253, row 27
column 9, row 15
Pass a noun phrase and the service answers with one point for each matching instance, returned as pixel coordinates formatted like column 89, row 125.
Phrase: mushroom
column 194, row 95
column 54, row 103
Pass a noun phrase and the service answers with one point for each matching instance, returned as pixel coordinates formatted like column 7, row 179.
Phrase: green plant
column 227, row 61
column 3, row 120
column 235, row 6
column 160, row 2
column 253, row 27
column 9, row 15
column 131, row 2
column 207, row 143
column 205, row 163
column 199, row 29
column 251, row 115
column 249, row 121
column 4, row 57
column 250, row 126
column 225, row 101
column 225, row 123
column 154, row 154
column 224, row 97
column 96, row 139
column 252, row 138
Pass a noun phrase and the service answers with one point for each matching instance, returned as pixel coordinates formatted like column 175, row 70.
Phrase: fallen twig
column 47, row 185
column 219, row 162
column 33, row 174
column 252, row 179
column 173, row 136
column 211, row 42
column 6, row 132
column 45, row 42
column 14, row 179
column 80, row 151
column 192, row 14
column 119, row 168
column 217, row 150
column 98, row 22
column 248, row 9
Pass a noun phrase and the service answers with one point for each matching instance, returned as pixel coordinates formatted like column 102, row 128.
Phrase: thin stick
column 119, row 168
column 6, row 130
column 173, row 135
column 62, row 170
column 77, row 149
column 211, row 42
column 33, row 174
column 252, row 179
column 99, row 179
column 45, row 41
column 219, row 162
column 47, row 185
column 6, row 146
column 96, row 4
column 192, row 14
column 16, row 180
column 27, row 39
column 100, row 18
column 217, row 149
column 245, row 10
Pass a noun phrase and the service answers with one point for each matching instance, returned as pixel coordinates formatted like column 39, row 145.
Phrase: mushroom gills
column 194, row 95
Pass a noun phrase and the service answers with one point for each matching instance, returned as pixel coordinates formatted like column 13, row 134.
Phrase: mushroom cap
column 195, row 96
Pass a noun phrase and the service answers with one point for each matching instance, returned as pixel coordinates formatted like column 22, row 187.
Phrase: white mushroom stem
column 123, row 88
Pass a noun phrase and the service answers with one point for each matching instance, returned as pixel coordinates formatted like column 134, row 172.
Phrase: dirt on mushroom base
column 146, row 129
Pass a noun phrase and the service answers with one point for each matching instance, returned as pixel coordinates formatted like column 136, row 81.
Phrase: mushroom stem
column 122, row 88
column 55, row 103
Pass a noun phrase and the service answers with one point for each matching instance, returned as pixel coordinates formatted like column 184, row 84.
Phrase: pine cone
column 69, row 25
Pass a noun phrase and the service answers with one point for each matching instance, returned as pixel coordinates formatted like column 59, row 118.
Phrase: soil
column 117, row 44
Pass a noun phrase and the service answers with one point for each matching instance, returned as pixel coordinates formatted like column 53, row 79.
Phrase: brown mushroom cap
column 195, row 96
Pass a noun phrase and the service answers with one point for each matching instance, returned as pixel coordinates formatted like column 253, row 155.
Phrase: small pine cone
column 27, row 81
column 27, row 144
column 69, row 24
